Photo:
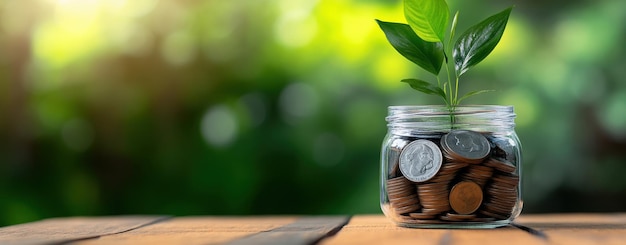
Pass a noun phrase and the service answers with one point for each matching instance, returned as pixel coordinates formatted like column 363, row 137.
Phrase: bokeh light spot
column 219, row 126
column 178, row 48
column 298, row 101
column 295, row 29
column 613, row 115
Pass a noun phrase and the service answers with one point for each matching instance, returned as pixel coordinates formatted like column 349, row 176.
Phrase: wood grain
column 62, row 230
column 308, row 230
column 543, row 229
column 195, row 230
column 362, row 229
column 607, row 228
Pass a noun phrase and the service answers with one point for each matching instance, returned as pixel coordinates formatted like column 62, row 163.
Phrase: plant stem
column 456, row 92
column 451, row 95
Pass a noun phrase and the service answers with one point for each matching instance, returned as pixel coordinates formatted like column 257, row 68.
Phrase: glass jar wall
column 451, row 169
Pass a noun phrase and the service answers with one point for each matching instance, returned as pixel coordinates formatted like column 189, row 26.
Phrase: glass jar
column 451, row 169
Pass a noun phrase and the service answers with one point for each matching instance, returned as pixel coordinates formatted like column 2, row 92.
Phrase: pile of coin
column 502, row 196
column 461, row 176
column 402, row 196
column 478, row 173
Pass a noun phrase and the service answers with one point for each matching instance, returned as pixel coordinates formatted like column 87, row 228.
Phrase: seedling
column 424, row 42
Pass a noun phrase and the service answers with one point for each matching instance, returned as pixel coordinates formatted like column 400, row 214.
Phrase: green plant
column 423, row 42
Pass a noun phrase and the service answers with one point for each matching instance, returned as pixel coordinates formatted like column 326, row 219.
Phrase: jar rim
column 441, row 118
column 500, row 107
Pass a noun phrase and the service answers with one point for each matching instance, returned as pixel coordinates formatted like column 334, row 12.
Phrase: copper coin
column 397, row 181
column 461, row 216
column 434, row 211
column 494, row 215
column 457, row 217
column 436, row 205
column 466, row 197
column 421, row 216
column 404, row 189
column 452, row 167
column 423, row 221
column 406, row 209
column 501, row 165
column 482, row 219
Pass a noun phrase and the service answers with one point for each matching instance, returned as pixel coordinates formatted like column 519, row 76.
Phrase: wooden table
column 358, row 229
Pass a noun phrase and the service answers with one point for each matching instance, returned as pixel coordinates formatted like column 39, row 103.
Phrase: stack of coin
column 393, row 156
column 502, row 196
column 465, row 146
column 434, row 193
column 434, row 197
column 501, row 165
column 479, row 174
column 458, row 217
column 402, row 195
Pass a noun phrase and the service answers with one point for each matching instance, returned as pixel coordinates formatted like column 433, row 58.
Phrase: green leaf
column 453, row 27
column 425, row 87
column 428, row 18
column 478, row 41
column 472, row 94
column 425, row 54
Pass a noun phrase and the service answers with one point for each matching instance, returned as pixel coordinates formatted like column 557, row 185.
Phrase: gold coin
column 466, row 197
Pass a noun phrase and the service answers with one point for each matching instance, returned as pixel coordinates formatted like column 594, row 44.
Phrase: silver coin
column 467, row 144
column 420, row 160
column 393, row 155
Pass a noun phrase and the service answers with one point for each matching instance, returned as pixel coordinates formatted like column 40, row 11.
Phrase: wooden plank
column 362, row 229
column 542, row 229
column 62, row 230
column 308, row 230
column 376, row 229
column 195, row 230
column 607, row 228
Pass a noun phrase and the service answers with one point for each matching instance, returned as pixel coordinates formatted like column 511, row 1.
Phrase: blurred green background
column 244, row 107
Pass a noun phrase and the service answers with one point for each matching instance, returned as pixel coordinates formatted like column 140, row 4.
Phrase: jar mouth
column 444, row 110
column 457, row 108
column 441, row 118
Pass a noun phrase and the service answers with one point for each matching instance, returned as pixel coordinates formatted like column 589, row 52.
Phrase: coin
column 400, row 187
column 421, row 216
column 393, row 155
column 423, row 221
column 503, row 147
column 466, row 197
column 420, row 160
column 466, row 145
column 478, row 174
column 457, row 217
column 501, row 165
column 495, row 215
